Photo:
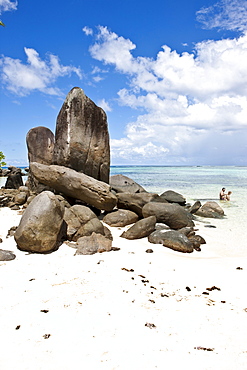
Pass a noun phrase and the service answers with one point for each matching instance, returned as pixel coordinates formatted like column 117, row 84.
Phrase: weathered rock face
column 123, row 184
column 172, row 215
column 135, row 201
column 82, row 138
column 81, row 221
column 20, row 198
column 195, row 207
column 7, row 197
column 40, row 228
column 76, row 185
column 173, row 197
column 6, row 255
column 120, row 218
column 40, row 145
column 14, row 180
column 211, row 210
column 140, row 229
column 95, row 243
column 172, row 239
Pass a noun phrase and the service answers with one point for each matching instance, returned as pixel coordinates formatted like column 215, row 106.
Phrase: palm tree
column 2, row 24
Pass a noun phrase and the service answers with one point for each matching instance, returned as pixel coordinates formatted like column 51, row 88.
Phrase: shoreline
column 123, row 309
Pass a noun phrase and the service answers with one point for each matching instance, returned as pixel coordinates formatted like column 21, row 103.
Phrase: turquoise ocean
column 201, row 183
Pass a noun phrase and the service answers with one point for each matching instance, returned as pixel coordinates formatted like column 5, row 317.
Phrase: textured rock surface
column 88, row 228
column 40, row 145
column 172, row 239
column 172, row 215
column 135, row 201
column 173, row 197
column 76, row 185
column 41, row 224
column 6, row 255
column 140, row 229
column 21, row 198
column 120, row 218
column 194, row 208
column 82, row 138
column 210, row 209
column 14, row 180
column 77, row 217
column 123, row 184
column 95, row 243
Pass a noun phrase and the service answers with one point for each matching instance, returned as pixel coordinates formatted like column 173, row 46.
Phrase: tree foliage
column 2, row 156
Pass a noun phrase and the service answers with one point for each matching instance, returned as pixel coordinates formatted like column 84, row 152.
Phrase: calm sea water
column 200, row 183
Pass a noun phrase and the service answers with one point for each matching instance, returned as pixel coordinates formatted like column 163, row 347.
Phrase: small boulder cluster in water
column 70, row 197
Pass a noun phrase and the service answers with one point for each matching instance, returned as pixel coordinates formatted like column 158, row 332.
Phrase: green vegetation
column 2, row 24
column 2, row 156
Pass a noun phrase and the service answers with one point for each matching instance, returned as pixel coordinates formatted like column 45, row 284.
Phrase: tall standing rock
column 82, row 138
column 40, row 145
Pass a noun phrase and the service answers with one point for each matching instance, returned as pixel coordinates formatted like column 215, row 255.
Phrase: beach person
column 228, row 195
column 223, row 194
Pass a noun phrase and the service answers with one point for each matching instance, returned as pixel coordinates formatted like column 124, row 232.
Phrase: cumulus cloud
column 7, row 5
column 35, row 74
column 185, row 97
column 104, row 105
column 87, row 30
column 225, row 14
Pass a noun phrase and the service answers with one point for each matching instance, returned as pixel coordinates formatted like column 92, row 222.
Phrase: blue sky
column 171, row 75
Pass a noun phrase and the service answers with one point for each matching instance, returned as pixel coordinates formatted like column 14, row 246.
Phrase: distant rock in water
column 82, row 138
column 14, row 180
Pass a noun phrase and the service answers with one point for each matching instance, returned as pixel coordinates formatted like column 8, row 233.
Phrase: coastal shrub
column 2, row 156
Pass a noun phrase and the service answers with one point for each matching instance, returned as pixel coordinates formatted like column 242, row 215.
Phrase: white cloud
column 225, row 14
column 36, row 74
column 104, row 105
column 87, row 30
column 185, row 97
column 7, row 5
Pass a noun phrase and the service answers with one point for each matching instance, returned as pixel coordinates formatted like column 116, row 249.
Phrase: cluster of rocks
column 14, row 177
column 4, row 172
column 70, row 197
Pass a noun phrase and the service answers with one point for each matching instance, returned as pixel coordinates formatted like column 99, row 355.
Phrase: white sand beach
column 124, row 309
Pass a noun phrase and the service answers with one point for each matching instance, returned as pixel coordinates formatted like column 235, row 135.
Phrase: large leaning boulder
column 172, row 215
column 82, row 138
column 40, row 228
column 76, row 185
